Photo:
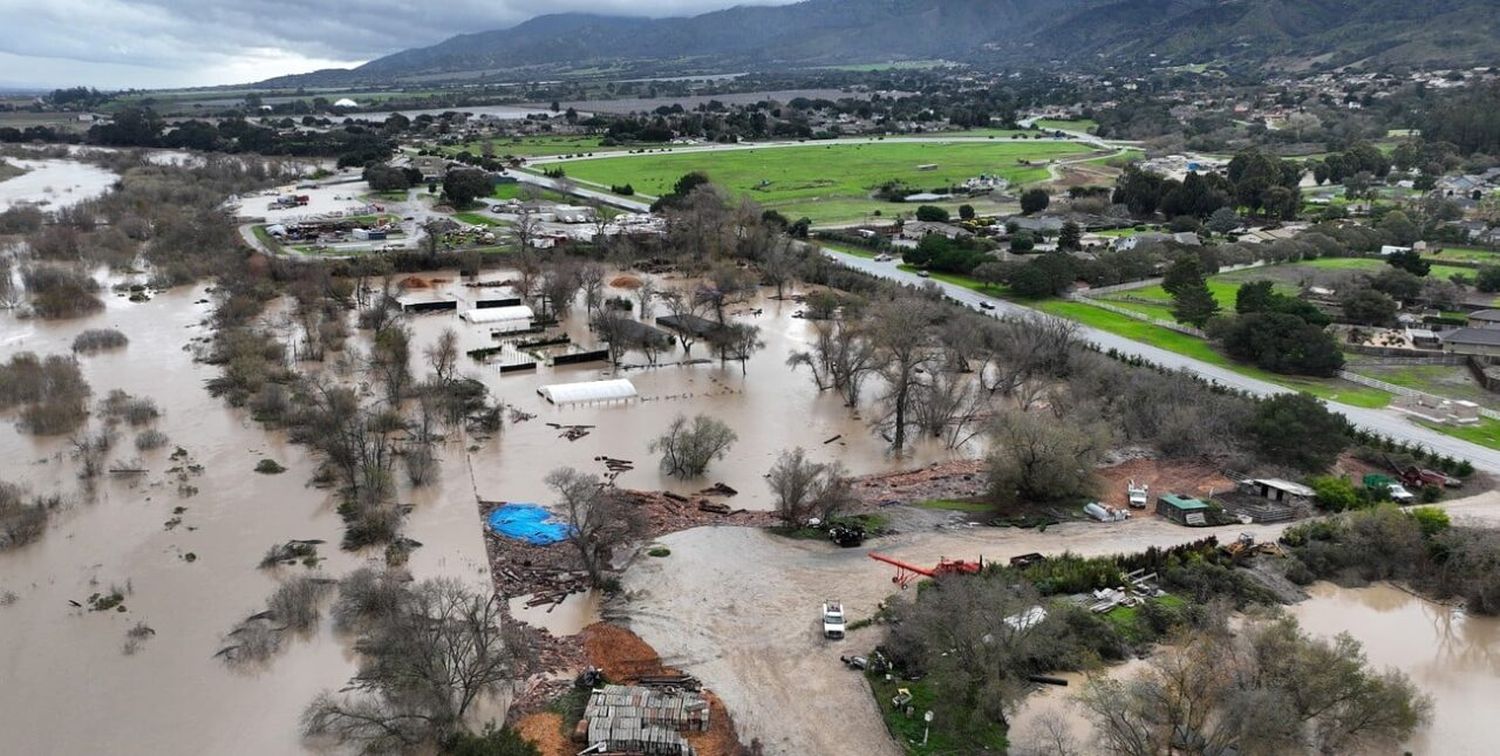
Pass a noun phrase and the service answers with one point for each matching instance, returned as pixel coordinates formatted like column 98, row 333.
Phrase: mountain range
column 837, row 32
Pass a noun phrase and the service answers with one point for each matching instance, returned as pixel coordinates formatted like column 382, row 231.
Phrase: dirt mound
column 625, row 282
column 544, row 729
column 413, row 282
column 619, row 653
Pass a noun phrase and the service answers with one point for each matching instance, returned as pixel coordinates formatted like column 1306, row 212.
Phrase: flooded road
column 54, row 184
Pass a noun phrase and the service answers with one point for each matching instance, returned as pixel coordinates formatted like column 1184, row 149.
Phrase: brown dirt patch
column 619, row 653
column 1163, row 476
column 413, row 282
column 961, row 479
column 544, row 729
column 625, row 282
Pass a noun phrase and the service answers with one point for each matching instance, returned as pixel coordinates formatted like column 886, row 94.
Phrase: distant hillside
column 826, row 32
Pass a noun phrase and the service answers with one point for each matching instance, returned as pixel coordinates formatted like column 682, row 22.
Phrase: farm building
column 1276, row 489
column 619, row 389
column 1183, row 510
column 1480, row 342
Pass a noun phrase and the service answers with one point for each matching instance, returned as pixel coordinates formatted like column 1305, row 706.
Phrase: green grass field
column 1465, row 254
column 537, row 146
column 1190, row 346
column 828, row 182
column 1373, row 265
column 1081, row 124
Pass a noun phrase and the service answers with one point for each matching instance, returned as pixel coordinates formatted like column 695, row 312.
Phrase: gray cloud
column 156, row 43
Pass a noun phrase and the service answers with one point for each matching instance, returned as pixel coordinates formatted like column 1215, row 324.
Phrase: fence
column 1145, row 282
column 1376, row 383
column 1169, row 325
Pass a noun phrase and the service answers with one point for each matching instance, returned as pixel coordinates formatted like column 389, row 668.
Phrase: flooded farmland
column 191, row 573
column 54, row 184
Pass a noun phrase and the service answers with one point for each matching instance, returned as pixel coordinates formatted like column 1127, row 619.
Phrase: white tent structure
column 501, row 315
column 589, row 391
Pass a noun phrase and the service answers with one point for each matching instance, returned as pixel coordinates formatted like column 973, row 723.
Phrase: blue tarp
column 529, row 523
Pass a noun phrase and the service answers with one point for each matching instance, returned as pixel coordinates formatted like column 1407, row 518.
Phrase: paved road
column 576, row 189
column 1386, row 421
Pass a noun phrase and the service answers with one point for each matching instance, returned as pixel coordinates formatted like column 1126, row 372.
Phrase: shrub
column 659, row 551
column 149, row 439
column 61, row 292
column 269, row 467
column 97, row 339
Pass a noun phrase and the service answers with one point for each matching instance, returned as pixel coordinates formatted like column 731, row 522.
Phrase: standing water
column 183, row 540
column 54, row 184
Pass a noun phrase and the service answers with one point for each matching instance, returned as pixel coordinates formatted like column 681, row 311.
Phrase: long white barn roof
column 588, row 391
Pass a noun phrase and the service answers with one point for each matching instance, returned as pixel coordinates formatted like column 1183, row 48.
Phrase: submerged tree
column 687, row 449
column 428, row 653
column 1268, row 688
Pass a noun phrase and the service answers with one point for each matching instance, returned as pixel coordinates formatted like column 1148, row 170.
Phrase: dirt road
column 738, row 608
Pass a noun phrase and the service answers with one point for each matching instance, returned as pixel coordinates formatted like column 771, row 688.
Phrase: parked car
column 923, row 274
column 986, row 306
column 833, row 620
column 1400, row 495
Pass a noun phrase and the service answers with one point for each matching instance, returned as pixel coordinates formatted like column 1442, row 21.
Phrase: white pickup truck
column 833, row 620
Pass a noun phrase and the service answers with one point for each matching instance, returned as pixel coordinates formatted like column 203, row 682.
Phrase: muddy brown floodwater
column 55, row 184
column 70, row 688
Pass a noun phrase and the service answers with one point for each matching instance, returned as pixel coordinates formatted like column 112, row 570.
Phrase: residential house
column 915, row 230
column 1478, row 342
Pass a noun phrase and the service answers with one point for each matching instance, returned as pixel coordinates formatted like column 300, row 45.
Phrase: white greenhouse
column 501, row 315
column 619, row 389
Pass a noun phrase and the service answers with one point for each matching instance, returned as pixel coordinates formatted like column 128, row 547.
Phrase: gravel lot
column 738, row 607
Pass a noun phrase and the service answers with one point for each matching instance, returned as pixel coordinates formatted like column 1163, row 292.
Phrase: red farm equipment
column 907, row 573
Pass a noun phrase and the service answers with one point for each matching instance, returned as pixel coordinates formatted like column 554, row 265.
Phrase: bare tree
column 683, row 304
column 599, row 517
column 901, row 332
column 738, row 341
column 643, row 296
column 390, row 359
column 428, row 654
column 948, row 406
column 591, row 280
column 804, row 488
column 525, row 228
column 724, row 287
column 687, row 449
column 559, row 285
column 442, row 356
column 528, row 271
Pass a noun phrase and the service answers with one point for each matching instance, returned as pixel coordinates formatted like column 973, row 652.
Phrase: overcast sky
column 171, row 43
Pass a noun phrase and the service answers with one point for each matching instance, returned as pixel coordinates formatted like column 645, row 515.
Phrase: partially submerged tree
column 599, row 517
column 805, row 489
column 1269, row 688
column 428, row 653
column 687, row 449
